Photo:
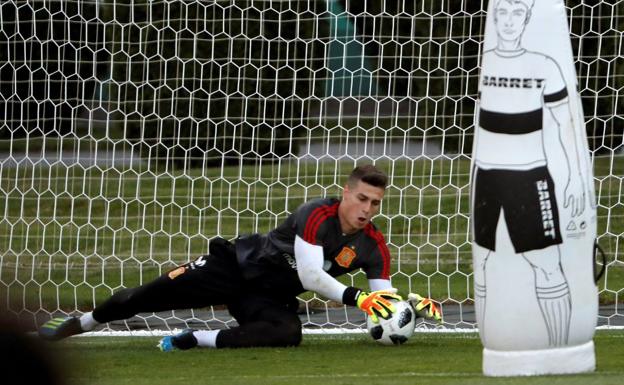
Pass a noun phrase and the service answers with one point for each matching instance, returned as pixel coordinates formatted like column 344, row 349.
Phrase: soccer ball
column 395, row 330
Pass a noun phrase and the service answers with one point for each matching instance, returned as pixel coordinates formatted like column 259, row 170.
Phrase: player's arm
column 557, row 101
column 310, row 259
column 380, row 284
column 574, row 191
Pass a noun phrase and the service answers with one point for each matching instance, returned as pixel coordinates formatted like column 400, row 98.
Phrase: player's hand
column 575, row 196
column 378, row 303
column 425, row 307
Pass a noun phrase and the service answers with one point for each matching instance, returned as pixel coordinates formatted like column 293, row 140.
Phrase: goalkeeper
column 259, row 276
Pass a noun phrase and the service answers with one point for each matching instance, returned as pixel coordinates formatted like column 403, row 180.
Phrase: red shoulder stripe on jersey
column 383, row 249
column 312, row 219
column 313, row 224
column 318, row 216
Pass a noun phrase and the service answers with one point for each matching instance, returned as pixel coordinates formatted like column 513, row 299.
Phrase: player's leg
column 486, row 209
column 480, row 255
column 546, row 264
column 209, row 280
column 532, row 218
column 206, row 281
column 263, row 321
column 553, row 293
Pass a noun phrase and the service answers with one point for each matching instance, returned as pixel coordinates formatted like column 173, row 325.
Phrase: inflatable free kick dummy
column 533, row 206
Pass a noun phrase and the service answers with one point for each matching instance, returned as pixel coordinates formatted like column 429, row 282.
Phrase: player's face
column 359, row 204
column 510, row 19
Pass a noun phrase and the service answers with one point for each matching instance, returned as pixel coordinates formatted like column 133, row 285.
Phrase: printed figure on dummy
column 511, row 170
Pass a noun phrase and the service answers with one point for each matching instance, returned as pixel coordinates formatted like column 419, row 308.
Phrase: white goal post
column 133, row 133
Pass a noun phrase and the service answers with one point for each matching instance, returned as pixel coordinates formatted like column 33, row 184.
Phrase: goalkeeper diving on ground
column 259, row 276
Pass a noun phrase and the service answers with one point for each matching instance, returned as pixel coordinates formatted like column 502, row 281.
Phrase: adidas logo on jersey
column 199, row 262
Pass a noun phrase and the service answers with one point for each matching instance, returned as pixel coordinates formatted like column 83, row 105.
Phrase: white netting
column 135, row 132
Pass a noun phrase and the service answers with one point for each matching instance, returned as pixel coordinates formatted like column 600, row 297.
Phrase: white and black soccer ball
column 395, row 330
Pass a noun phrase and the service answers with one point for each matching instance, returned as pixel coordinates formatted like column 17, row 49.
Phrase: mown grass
column 69, row 236
column 342, row 359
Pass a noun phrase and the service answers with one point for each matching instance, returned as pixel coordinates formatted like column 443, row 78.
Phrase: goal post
column 133, row 133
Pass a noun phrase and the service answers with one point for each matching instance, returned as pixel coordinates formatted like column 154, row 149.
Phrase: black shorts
column 527, row 198
column 216, row 279
column 213, row 279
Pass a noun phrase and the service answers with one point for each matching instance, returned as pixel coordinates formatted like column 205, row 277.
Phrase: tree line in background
column 213, row 83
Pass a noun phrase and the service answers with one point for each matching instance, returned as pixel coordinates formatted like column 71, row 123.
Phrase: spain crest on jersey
column 345, row 257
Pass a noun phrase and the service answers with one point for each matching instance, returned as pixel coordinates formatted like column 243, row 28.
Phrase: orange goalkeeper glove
column 378, row 303
column 425, row 307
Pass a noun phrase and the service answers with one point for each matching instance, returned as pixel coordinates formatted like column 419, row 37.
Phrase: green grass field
column 342, row 359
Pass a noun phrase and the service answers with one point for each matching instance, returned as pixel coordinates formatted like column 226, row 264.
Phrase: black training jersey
column 317, row 223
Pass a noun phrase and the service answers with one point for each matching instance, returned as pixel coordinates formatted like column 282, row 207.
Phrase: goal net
column 133, row 133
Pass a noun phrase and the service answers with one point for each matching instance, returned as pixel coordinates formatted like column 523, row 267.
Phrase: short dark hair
column 368, row 174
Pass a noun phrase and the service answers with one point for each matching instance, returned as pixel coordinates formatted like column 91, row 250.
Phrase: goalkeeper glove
column 425, row 307
column 378, row 303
